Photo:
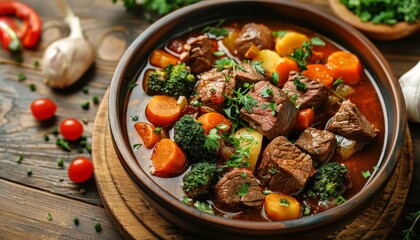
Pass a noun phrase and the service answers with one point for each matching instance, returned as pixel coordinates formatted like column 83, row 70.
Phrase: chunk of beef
column 320, row 144
column 246, row 73
column 238, row 188
column 253, row 33
column 198, row 54
column 314, row 92
column 273, row 113
column 351, row 123
column 212, row 87
column 284, row 168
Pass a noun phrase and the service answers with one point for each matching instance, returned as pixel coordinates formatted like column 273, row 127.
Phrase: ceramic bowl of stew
column 229, row 41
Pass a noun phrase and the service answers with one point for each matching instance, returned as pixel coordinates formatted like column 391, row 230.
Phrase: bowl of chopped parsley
column 379, row 19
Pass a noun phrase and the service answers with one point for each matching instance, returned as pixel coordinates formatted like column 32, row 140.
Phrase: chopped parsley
column 19, row 159
column 85, row 89
column 85, row 105
column 244, row 174
column 21, row 77
column 134, row 118
column 76, row 221
column 216, row 31
column 219, row 53
column 243, row 190
column 225, row 63
column 98, row 227
column 279, row 34
column 29, row 172
column 49, row 217
column 257, row 65
column 212, row 140
column 266, row 92
column 60, row 162
column 273, row 171
column 338, row 81
column 284, row 202
column 137, row 146
column 275, row 78
column 316, row 41
column 366, row 174
column 302, row 54
column 157, row 130
column 204, row 207
column 293, row 98
column 63, row 144
column 187, row 200
column 266, row 192
column 46, row 137
column 32, row 87
column 95, row 100
column 132, row 84
column 340, row 200
column 300, row 86
column 306, row 210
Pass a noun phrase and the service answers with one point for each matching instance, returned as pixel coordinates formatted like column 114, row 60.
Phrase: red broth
column 364, row 96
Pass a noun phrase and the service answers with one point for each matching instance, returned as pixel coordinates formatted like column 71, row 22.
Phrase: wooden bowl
column 210, row 12
column 374, row 31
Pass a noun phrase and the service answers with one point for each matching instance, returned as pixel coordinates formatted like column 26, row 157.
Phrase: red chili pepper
column 8, row 35
column 31, row 27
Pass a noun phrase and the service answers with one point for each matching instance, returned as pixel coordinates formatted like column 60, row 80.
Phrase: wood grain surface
column 25, row 201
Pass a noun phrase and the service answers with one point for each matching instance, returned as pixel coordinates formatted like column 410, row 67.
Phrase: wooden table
column 26, row 202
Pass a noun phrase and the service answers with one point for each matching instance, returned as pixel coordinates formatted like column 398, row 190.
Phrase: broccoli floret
column 175, row 81
column 329, row 181
column 190, row 137
column 199, row 179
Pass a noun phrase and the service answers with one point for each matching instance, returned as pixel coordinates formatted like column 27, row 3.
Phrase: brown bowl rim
column 168, row 203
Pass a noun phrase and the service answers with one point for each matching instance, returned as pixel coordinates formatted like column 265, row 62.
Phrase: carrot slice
column 305, row 119
column 212, row 119
column 345, row 65
column 147, row 133
column 252, row 52
column 319, row 72
column 162, row 111
column 283, row 67
column 167, row 158
column 161, row 58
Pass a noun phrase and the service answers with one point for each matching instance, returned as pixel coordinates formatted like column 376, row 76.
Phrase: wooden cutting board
column 136, row 219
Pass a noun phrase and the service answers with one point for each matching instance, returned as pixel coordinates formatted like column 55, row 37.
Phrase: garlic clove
column 410, row 85
column 66, row 60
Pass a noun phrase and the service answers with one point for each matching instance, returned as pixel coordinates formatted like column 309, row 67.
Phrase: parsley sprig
column 240, row 98
column 302, row 54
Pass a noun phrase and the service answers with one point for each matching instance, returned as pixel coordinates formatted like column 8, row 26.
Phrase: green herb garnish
column 85, row 105
column 279, row 34
column 85, row 89
column 76, row 221
column 32, row 87
column 98, row 227
column 60, row 162
column 63, row 144
column 49, row 217
column 316, row 41
column 284, row 202
column 366, row 174
column 21, row 77
column 137, row 146
column 95, row 100
column 19, row 159
column 243, row 191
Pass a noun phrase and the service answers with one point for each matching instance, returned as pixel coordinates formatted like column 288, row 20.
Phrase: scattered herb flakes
column 137, row 146
column 306, row 210
column 80, row 149
column 29, row 172
column 95, row 100
column 338, row 81
column 55, row 131
column 32, row 87
column 272, row 171
column 46, row 138
column 19, row 159
column 243, row 191
column 36, row 63
column 204, row 207
column 98, row 227
column 85, row 89
column 196, row 103
column 132, row 84
column 60, row 162
column 293, row 98
column 212, row 141
column 301, row 54
column 340, row 200
column 88, row 148
column 244, row 174
column 284, row 202
column 316, row 41
column 219, row 53
column 76, row 221
column 134, row 118
column 366, row 174
column 21, row 77
column 266, row 92
column 279, row 34
column 85, row 105
column 257, row 65
column 300, row 86
column 63, row 144
column 157, row 130
column 49, row 217
column 216, row 31
column 187, row 200
column 275, row 78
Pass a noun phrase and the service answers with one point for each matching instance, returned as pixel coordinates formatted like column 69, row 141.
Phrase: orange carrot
column 161, row 58
column 252, row 52
column 283, row 67
column 167, row 158
column 319, row 72
column 162, row 110
column 345, row 65
column 147, row 133
column 212, row 119
column 305, row 119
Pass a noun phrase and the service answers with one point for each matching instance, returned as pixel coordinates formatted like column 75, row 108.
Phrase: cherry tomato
column 43, row 108
column 80, row 169
column 71, row 129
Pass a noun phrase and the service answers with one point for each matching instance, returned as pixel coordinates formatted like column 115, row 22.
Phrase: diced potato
column 229, row 41
column 287, row 44
column 268, row 58
column 281, row 207
column 250, row 138
column 346, row 147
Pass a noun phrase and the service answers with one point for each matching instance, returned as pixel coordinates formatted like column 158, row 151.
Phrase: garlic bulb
column 67, row 59
column 410, row 85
